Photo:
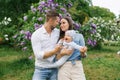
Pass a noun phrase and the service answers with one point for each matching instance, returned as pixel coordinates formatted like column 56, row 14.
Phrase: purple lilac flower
column 40, row 19
column 63, row 9
column 37, row 26
column 50, row 0
column 56, row 5
column 15, row 36
column 50, row 3
column 28, row 35
column 42, row 3
column 93, row 25
column 69, row 5
column 22, row 32
column 40, row 8
column 22, row 43
column 91, row 42
column 33, row 9
column 24, row 48
column 30, row 57
column 53, row 8
column 25, row 18
column 46, row 11
column 77, row 26
column 93, row 31
column 60, row 16
column 41, row 25
column 94, row 42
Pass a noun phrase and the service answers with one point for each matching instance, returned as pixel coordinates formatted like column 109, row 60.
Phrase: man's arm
column 64, row 52
column 63, row 56
column 36, row 46
column 51, row 53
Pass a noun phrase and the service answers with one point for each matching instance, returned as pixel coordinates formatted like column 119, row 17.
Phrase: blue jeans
column 45, row 74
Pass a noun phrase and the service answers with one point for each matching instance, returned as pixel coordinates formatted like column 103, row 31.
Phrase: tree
column 14, row 8
column 96, row 11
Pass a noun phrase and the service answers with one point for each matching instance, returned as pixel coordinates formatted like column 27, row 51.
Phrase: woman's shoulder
column 78, row 33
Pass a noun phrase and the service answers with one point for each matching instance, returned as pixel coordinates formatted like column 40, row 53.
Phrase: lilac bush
column 98, row 30
column 94, row 30
column 3, row 31
column 34, row 19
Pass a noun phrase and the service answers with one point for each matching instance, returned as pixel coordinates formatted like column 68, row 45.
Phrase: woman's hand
column 83, row 49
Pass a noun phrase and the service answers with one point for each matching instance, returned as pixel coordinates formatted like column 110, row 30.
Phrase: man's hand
column 52, row 52
column 58, row 48
column 66, row 52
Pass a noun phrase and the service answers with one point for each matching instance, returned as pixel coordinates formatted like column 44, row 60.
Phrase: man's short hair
column 51, row 14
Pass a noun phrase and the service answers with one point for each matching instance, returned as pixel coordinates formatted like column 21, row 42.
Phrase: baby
column 68, row 43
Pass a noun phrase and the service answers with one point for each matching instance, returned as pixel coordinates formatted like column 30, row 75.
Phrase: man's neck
column 47, row 27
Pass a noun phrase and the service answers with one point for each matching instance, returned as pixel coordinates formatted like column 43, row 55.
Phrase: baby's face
column 67, row 38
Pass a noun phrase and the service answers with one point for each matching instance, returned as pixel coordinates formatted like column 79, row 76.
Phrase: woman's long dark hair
column 70, row 22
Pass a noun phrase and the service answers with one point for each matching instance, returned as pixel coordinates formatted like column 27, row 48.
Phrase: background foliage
column 92, row 21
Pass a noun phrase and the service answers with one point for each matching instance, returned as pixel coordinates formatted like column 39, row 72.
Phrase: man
column 43, row 43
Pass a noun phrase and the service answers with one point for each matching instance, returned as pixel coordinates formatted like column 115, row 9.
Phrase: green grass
column 101, row 64
column 15, row 65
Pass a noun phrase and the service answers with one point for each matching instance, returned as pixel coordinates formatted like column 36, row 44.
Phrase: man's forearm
column 64, row 52
column 49, row 54
column 59, row 56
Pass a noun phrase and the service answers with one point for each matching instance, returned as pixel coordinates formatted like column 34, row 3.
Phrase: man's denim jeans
column 45, row 74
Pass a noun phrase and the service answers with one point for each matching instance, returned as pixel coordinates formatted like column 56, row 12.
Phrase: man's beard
column 52, row 27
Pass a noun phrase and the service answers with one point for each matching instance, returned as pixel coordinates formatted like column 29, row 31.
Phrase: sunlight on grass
column 8, row 58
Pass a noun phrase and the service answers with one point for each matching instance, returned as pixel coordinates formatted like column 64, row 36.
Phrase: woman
column 73, row 68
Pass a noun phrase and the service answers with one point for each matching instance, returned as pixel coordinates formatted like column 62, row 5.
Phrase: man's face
column 54, row 22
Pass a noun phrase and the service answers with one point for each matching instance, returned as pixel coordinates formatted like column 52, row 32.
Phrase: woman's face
column 64, row 25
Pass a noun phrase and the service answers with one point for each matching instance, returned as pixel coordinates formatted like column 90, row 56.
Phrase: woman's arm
column 65, row 54
column 60, row 62
column 82, row 43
